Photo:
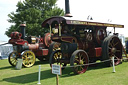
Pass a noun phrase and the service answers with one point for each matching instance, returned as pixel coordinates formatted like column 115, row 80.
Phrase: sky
column 100, row 10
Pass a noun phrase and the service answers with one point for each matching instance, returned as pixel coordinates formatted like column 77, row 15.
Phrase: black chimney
column 67, row 9
column 22, row 29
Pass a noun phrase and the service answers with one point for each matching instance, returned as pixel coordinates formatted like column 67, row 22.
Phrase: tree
column 33, row 13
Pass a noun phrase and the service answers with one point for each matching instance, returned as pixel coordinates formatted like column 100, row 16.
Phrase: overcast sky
column 100, row 10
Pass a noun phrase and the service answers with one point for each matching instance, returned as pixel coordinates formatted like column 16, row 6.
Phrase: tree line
column 33, row 13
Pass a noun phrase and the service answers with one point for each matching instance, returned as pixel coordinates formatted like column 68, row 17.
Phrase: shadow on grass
column 41, row 62
column 98, row 66
column 67, row 72
column 7, row 67
column 13, row 67
column 46, row 74
column 29, row 78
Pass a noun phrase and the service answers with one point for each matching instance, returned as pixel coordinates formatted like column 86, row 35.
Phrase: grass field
column 98, row 75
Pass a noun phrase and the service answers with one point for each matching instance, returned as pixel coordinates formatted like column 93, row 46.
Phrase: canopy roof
column 72, row 21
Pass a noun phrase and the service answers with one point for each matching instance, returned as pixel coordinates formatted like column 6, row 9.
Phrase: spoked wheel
column 13, row 58
column 56, row 58
column 112, row 47
column 28, row 58
column 79, row 61
column 54, row 46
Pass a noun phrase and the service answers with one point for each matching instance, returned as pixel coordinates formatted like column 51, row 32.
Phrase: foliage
column 33, row 13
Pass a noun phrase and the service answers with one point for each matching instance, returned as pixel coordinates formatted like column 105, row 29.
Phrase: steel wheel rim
column 56, row 57
column 112, row 47
column 13, row 58
column 28, row 58
column 79, row 61
column 56, row 46
column 115, row 50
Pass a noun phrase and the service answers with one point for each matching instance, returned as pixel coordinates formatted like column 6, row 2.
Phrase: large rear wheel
column 112, row 47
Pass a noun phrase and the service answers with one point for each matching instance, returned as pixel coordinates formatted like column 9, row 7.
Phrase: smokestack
column 22, row 29
column 67, row 9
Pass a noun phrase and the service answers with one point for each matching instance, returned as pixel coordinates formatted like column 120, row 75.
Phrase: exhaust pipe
column 67, row 9
column 22, row 29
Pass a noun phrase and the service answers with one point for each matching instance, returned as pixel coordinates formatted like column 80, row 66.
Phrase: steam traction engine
column 28, row 48
column 82, row 42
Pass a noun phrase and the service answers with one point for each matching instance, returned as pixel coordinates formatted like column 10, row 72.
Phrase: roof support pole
column 50, row 30
column 59, row 30
column 114, row 30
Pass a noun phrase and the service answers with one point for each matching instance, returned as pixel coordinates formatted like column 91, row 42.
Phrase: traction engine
column 28, row 48
column 82, row 42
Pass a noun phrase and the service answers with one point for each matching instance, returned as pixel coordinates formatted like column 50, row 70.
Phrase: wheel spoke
column 118, row 50
column 111, row 45
column 109, row 48
column 81, row 68
column 83, row 59
column 77, row 60
column 115, row 44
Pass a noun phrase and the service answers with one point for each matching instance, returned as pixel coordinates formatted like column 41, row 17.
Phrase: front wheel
column 56, row 58
column 79, row 61
column 28, row 58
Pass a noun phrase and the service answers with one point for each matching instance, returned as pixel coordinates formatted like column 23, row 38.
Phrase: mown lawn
column 98, row 75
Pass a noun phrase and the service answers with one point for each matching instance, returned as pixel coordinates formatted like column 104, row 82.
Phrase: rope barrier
column 39, row 73
column 90, row 63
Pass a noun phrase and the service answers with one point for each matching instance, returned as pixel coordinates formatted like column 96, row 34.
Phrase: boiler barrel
column 33, row 46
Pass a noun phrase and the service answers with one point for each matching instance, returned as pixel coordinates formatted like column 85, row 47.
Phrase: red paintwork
column 98, row 51
column 15, row 35
column 37, row 48
column 17, row 41
column 45, row 52
column 68, row 39
column 47, row 39
column 41, row 52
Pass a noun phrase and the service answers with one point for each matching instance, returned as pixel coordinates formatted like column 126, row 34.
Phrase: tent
column 5, row 50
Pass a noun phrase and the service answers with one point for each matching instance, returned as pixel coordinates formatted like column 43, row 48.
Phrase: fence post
column 113, row 63
column 39, row 75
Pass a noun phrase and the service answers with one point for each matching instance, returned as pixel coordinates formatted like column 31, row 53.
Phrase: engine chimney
column 22, row 29
column 67, row 9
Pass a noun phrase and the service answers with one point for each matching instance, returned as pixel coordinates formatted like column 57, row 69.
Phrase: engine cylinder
column 68, row 47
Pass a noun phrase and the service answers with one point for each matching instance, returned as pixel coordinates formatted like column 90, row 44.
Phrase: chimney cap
column 23, row 25
column 68, row 15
